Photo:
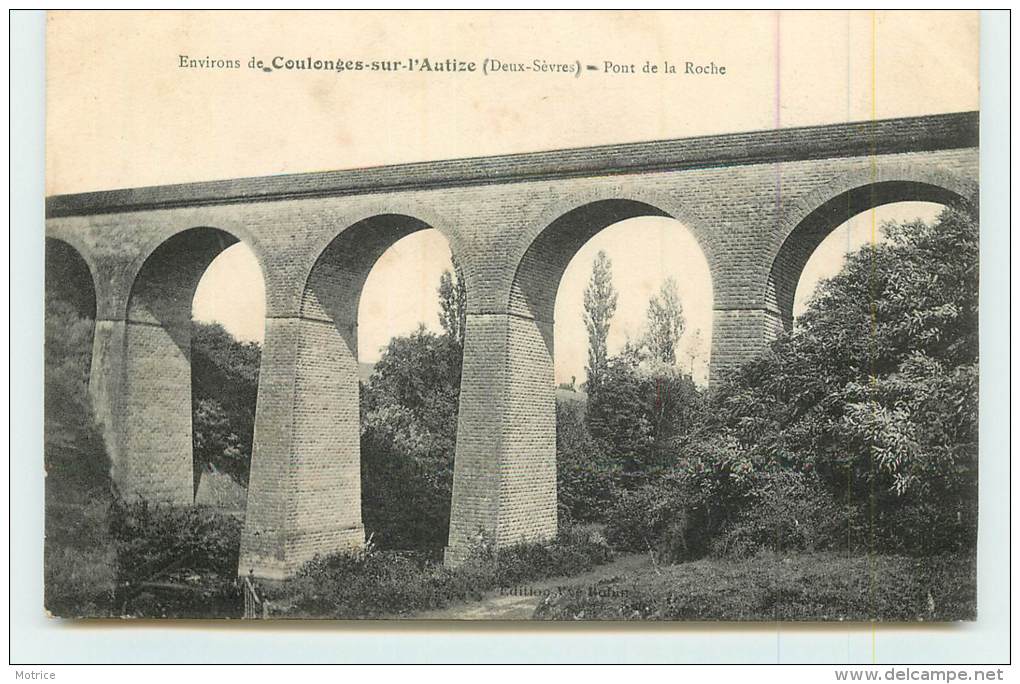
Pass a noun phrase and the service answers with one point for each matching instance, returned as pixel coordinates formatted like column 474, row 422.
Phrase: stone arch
column 164, row 284
column 335, row 281
column 397, row 219
column 807, row 223
column 560, row 233
column 70, row 277
column 195, row 234
column 155, row 441
column 66, row 235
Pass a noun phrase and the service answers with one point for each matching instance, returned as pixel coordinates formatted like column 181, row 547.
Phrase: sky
column 644, row 252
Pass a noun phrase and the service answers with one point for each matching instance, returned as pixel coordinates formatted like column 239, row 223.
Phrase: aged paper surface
column 123, row 113
column 601, row 221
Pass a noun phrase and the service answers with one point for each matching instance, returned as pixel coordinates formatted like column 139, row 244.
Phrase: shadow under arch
column 537, row 277
column 164, row 284
column 156, row 437
column 70, row 281
column 806, row 234
column 69, row 277
column 334, row 285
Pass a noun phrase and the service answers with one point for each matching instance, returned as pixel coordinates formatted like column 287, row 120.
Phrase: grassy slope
column 79, row 560
column 389, row 584
column 814, row 587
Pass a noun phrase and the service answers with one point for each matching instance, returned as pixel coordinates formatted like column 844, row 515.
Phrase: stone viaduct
column 758, row 203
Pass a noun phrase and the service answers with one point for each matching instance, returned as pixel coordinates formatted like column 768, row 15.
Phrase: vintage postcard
column 495, row 315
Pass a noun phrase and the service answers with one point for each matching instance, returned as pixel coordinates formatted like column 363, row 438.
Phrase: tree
column 643, row 411
column 586, row 474
column 665, row 323
column 618, row 416
column 599, row 308
column 215, row 441
column 695, row 347
column 876, row 389
column 224, row 389
column 413, row 394
column 408, row 435
column 857, row 430
column 409, row 429
column 453, row 303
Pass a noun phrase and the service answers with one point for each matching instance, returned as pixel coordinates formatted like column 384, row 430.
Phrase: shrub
column 642, row 411
column 576, row 549
column 377, row 582
column 926, row 527
column 665, row 517
column 175, row 562
column 224, row 380
column 677, row 514
column 405, row 503
column 373, row 584
column 79, row 560
column 787, row 510
column 635, row 523
column 152, row 539
column 586, row 477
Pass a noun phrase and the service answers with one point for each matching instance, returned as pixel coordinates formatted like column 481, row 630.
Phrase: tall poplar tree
column 453, row 304
column 665, row 323
column 599, row 307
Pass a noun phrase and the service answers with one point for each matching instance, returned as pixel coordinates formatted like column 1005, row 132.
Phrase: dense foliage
column 152, row 539
column 79, row 577
column 224, row 387
column 408, row 433
column 175, row 561
column 77, row 467
column 586, row 475
column 103, row 555
column 645, row 411
column 859, row 429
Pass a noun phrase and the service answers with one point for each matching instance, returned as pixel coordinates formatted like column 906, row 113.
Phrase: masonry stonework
column 757, row 203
